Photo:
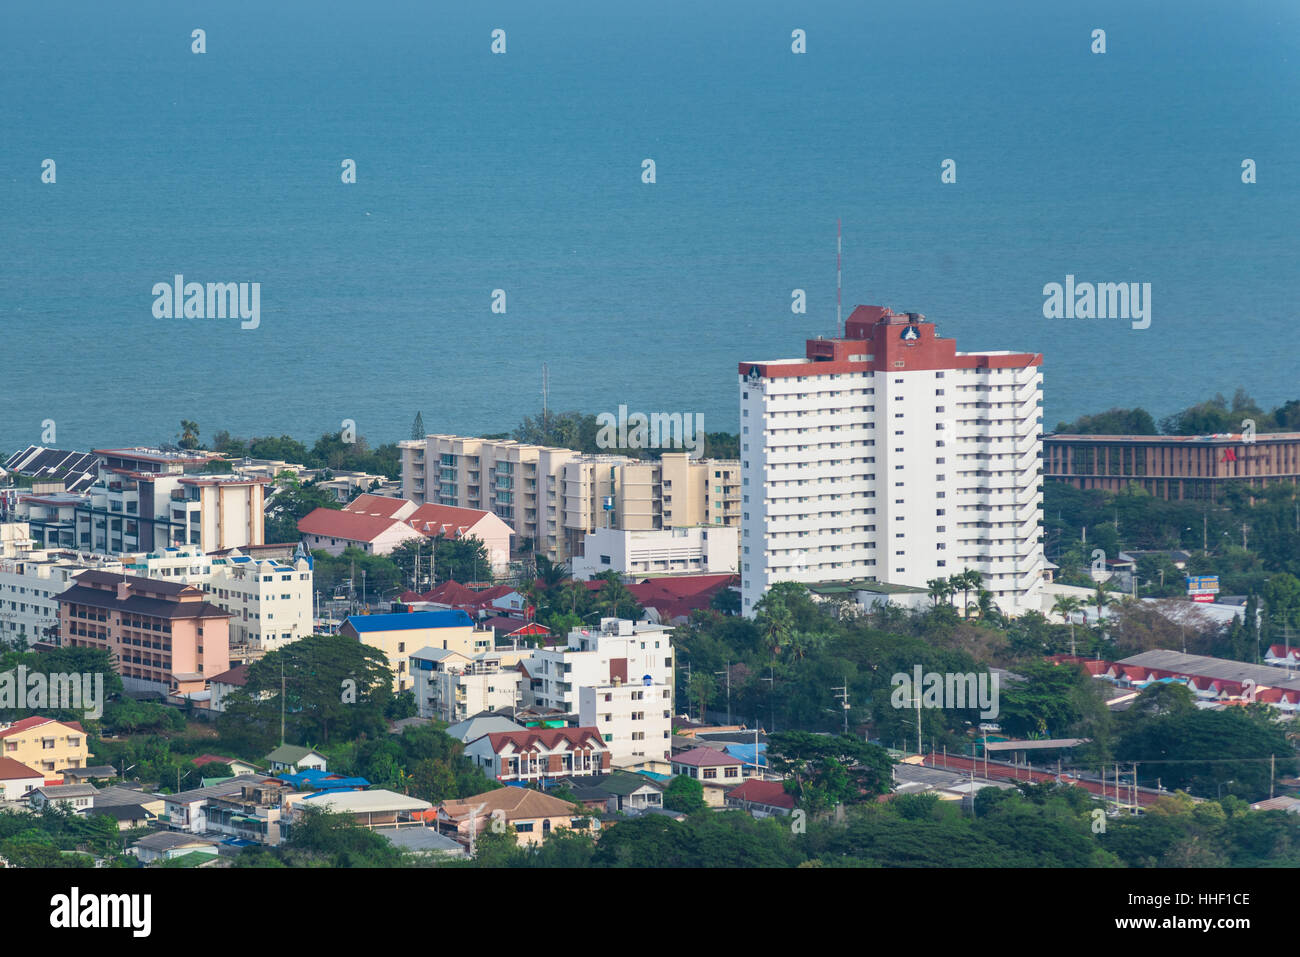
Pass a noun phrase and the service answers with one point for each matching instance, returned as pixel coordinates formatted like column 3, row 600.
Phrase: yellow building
column 401, row 635
column 45, row 745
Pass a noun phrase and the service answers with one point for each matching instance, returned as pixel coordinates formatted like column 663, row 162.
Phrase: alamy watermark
column 1103, row 300
column 215, row 300
column 658, row 430
column 946, row 690
column 37, row 691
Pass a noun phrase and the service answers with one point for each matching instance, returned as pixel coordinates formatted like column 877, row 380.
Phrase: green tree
column 189, row 434
column 825, row 770
column 684, row 794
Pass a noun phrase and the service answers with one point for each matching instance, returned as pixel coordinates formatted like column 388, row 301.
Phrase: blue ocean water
column 522, row 172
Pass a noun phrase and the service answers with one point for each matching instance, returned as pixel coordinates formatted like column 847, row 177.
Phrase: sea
column 500, row 222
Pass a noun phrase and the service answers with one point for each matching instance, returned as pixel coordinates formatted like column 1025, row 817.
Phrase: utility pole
column 282, row 701
column 843, row 698
column 771, row 693
column 1205, row 531
column 473, row 826
column 728, row 674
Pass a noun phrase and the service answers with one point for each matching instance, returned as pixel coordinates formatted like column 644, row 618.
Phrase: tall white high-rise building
column 889, row 455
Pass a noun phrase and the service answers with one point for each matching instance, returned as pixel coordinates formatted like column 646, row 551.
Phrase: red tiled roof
column 11, row 770
column 203, row 759
column 237, row 676
column 515, row 626
column 451, row 593
column 704, row 758
column 376, row 505
column 678, row 597
column 35, row 722
column 333, row 523
column 770, row 793
column 548, row 738
column 456, row 595
column 445, row 520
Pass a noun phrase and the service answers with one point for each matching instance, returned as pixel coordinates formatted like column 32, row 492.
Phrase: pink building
column 163, row 636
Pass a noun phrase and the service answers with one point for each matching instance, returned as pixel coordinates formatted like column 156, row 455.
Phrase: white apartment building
column 888, row 455
column 701, row 550
column 634, row 719
column 270, row 601
column 29, row 584
column 619, row 650
column 451, row 686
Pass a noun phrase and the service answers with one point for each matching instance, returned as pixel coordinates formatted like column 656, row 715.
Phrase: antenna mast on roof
column 839, row 287
column 546, row 390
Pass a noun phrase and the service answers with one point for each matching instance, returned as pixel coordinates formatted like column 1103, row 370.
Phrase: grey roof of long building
column 1207, row 667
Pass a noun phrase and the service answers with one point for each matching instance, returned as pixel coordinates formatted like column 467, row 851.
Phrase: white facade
column 888, row 455
column 705, row 549
column 29, row 585
column 635, row 719
column 271, row 601
column 621, row 649
column 451, row 687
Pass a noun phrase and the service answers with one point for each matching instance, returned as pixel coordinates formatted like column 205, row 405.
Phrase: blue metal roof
column 411, row 620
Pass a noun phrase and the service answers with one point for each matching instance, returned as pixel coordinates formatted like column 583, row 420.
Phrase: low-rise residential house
column 166, row 845
column 225, row 684
column 424, row 841
column 716, row 770
column 45, row 745
column 92, row 772
column 617, row 792
column 473, row 728
column 516, row 631
column 17, row 780
column 292, row 758
column 187, row 810
column 478, row 603
column 530, row 815
column 375, row 808
column 451, row 686
column 128, row 816
column 79, row 798
column 761, row 798
column 119, row 795
column 236, row 765
column 538, row 754
column 310, row 780
column 253, row 813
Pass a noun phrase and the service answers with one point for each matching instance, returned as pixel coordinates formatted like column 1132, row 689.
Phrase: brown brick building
column 1172, row 466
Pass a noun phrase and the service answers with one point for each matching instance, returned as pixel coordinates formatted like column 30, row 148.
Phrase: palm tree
column 1101, row 599
column 189, row 434
column 776, row 623
column 940, row 590
column 964, row 583
column 1067, row 606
